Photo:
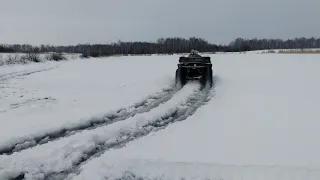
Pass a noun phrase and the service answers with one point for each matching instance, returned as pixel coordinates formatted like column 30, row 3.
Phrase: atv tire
column 207, row 79
column 180, row 77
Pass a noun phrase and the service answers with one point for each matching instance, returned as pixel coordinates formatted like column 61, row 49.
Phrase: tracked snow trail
column 44, row 106
column 56, row 160
column 143, row 106
column 11, row 75
column 262, row 124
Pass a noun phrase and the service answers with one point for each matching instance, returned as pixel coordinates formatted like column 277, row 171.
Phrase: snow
column 261, row 123
column 9, row 59
column 54, row 157
column 264, row 115
column 120, row 168
column 77, row 92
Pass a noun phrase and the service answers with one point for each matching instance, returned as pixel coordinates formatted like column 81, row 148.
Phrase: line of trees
column 6, row 49
column 168, row 46
column 262, row 44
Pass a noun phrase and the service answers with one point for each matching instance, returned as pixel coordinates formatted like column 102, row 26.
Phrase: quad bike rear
column 194, row 67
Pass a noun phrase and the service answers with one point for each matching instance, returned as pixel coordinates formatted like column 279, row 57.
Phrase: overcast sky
column 65, row 22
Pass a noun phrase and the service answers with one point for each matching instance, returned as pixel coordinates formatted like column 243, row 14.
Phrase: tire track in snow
column 180, row 113
column 31, row 101
column 143, row 106
column 23, row 73
column 12, row 74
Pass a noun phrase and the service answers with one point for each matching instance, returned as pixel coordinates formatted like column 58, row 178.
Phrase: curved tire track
column 179, row 114
column 145, row 105
column 23, row 73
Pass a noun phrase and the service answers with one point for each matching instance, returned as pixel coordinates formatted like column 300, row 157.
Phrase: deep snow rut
column 180, row 113
column 143, row 106
column 64, row 158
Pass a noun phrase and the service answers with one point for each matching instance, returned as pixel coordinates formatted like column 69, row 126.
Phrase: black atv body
column 194, row 67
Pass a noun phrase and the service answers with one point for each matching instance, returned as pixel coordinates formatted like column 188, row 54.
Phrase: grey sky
column 63, row 22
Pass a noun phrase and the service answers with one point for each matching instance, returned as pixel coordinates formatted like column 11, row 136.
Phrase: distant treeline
column 168, row 46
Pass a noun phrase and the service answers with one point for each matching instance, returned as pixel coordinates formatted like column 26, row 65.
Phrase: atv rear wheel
column 180, row 77
column 210, row 78
column 207, row 79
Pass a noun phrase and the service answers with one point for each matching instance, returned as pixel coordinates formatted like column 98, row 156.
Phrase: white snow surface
column 60, row 155
column 9, row 59
column 76, row 92
column 262, row 123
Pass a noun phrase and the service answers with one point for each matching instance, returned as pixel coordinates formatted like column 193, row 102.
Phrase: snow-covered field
column 22, row 58
column 123, row 118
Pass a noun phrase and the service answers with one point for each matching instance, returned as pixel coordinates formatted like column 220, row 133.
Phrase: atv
column 194, row 67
